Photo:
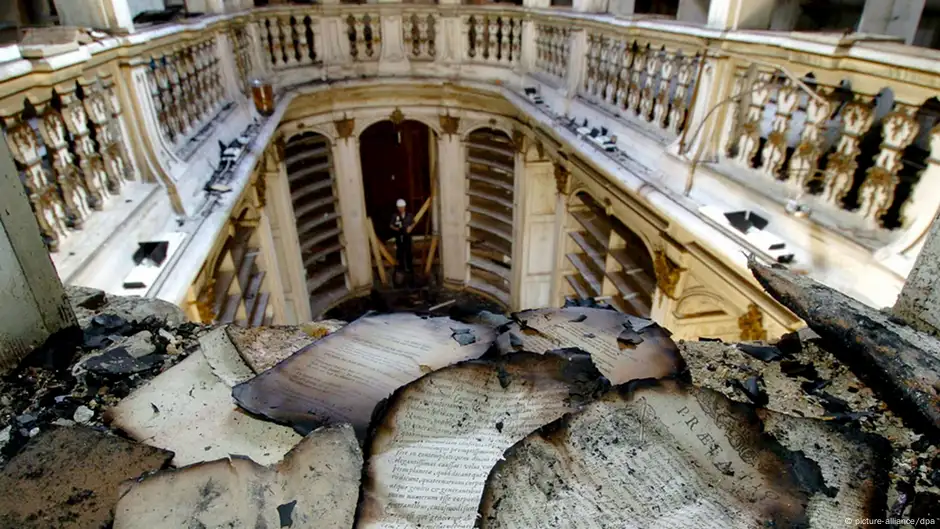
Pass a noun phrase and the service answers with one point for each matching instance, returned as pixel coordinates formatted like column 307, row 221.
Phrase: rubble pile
column 416, row 418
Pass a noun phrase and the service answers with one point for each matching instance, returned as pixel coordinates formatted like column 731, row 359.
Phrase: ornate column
column 352, row 205
column 452, row 178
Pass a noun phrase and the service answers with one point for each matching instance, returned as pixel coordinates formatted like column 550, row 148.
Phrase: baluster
column 300, row 29
column 267, row 43
column 857, row 118
column 877, row 191
column 749, row 134
column 430, row 32
column 410, row 36
column 187, row 80
column 218, row 91
column 775, row 150
column 53, row 132
column 555, row 52
column 740, row 82
column 516, row 39
column 804, row 162
column 43, row 195
column 176, row 93
column 287, row 41
column 165, row 112
column 277, row 47
column 590, row 80
column 107, row 133
column 610, row 71
column 361, row 45
column 677, row 114
column 626, row 68
column 661, row 110
column 504, row 40
column 636, row 75
column 492, row 35
column 92, row 168
column 647, row 96
column 565, row 51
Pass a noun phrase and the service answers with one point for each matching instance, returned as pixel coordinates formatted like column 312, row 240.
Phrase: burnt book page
column 668, row 456
column 436, row 439
column 340, row 378
column 623, row 347
column 315, row 485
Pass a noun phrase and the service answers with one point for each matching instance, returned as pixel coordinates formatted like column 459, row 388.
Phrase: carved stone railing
column 733, row 103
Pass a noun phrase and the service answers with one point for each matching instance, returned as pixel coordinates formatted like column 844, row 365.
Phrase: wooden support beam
column 376, row 253
column 429, row 262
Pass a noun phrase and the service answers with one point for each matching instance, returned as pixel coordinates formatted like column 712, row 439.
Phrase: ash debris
column 123, row 343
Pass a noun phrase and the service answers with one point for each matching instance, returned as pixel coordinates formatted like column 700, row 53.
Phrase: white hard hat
column 401, row 203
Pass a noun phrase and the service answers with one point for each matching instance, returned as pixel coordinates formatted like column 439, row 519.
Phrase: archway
column 397, row 163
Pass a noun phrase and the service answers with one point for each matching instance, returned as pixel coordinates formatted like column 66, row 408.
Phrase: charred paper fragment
column 435, row 440
column 315, row 485
column 623, row 347
column 767, row 353
column 899, row 363
column 263, row 347
column 341, row 377
column 673, row 455
column 70, row 477
column 189, row 409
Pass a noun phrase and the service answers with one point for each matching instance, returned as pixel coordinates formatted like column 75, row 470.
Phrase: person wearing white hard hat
column 402, row 224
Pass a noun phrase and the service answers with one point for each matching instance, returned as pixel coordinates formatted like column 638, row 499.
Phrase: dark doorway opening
column 396, row 163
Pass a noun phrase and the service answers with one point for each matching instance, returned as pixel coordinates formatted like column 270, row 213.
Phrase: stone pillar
column 590, row 6
column 115, row 15
column 740, row 14
column 352, row 208
column 34, row 304
column 559, row 232
column 785, row 15
column 919, row 302
column 535, row 241
column 702, row 139
column 622, row 7
column 537, row 3
column 529, row 51
column 694, row 11
column 452, row 178
column 898, row 18
column 577, row 61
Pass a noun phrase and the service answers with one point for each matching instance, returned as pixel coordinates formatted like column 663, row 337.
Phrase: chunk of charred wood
column 900, row 364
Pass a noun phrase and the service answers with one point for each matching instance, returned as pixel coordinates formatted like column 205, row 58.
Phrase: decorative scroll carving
column 344, row 127
column 667, row 272
column 562, row 177
column 751, row 324
column 450, row 124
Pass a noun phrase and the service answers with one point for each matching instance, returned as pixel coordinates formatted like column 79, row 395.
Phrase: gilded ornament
column 751, row 324
column 344, row 127
column 667, row 272
column 450, row 124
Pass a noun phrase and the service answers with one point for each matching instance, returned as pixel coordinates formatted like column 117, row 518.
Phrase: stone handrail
column 860, row 153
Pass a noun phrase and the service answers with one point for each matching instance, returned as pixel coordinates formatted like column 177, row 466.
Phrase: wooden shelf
column 495, row 215
column 259, row 314
column 322, row 301
column 579, row 286
column 313, row 241
column 595, row 255
column 490, row 181
column 321, row 254
column 245, row 268
column 623, row 257
column 491, row 267
column 597, row 227
column 313, row 206
column 300, row 174
column 495, row 246
column 222, row 285
column 581, row 264
column 501, row 149
column 501, row 200
column 311, row 188
column 490, row 290
column 636, row 305
column 307, row 154
column 499, row 165
column 490, row 226
column 251, row 293
column 316, row 221
column 324, row 275
column 231, row 308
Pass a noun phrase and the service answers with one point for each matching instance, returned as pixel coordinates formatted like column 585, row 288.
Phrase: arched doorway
column 397, row 163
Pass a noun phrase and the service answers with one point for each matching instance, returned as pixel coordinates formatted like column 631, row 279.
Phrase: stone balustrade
column 846, row 128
